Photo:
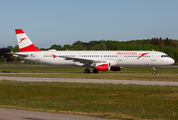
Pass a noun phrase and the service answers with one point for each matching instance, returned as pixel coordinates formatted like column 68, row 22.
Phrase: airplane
column 97, row 60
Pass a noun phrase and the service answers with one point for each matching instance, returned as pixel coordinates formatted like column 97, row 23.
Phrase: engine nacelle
column 116, row 68
column 102, row 66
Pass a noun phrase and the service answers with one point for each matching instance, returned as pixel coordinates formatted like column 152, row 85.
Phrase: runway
column 106, row 81
column 12, row 114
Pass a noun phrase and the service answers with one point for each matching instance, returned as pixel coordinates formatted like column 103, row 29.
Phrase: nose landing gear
column 154, row 70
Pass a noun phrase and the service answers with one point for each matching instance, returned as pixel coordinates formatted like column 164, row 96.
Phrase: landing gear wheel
column 86, row 71
column 95, row 71
column 154, row 72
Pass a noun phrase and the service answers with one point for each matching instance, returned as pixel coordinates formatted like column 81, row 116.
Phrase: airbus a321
column 97, row 60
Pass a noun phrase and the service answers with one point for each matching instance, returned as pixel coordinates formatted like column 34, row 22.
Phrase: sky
column 49, row 22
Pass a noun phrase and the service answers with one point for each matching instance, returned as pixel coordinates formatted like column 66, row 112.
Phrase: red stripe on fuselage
column 29, row 48
column 19, row 31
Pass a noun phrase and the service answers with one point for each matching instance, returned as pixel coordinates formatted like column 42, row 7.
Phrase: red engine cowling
column 102, row 66
column 116, row 68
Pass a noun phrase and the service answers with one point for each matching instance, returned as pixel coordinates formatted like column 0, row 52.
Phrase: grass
column 37, row 69
column 126, row 102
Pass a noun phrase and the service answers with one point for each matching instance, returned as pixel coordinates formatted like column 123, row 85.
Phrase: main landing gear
column 154, row 70
column 88, row 71
column 95, row 71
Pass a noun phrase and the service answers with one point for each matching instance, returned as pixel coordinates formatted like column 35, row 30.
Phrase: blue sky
column 48, row 22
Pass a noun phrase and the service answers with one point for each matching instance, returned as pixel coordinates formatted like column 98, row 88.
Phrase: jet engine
column 102, row 66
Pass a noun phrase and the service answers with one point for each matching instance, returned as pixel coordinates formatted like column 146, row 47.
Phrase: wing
column 88, row 61
column 80, row 60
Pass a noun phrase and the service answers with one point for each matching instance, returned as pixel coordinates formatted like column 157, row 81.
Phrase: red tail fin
column 25, row 44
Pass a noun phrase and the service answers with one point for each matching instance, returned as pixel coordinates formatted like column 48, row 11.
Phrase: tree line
column 167, row 46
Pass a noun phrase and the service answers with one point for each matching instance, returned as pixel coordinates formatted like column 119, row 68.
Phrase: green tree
column 138, row 47
column 168, row 50
column 16, row 49
column 67, row 47
column 79, row 46
column 10, row 48
column 147, row 47
column 44, row 49
column 92, row 45
column 113, row 45
column 56, row 47
column 5, row 53
column 155, row 48
column 3, row 59
column 176, row 54
column 101, row 46
column 14, row 58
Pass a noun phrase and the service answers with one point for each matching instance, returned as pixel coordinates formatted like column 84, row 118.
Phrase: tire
column 86, row 71
column 95, row 71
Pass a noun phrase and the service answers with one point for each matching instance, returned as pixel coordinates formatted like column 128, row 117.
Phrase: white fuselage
column 115, row 58
column 99, row 60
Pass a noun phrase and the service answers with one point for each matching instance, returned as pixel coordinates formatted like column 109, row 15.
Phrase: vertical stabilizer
column 25, row 44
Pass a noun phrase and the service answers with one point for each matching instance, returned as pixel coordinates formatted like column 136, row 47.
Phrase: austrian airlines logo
column 22, row 39
column 142, row 54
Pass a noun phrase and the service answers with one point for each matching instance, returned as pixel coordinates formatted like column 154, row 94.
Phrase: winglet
column 25, row 44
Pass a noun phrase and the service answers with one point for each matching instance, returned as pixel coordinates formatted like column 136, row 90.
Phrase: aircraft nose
column 172, row 61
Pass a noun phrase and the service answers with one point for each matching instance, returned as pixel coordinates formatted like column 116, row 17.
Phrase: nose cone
column 171, row 61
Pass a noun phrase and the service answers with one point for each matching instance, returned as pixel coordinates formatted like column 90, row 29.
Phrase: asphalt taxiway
column 12, row 114
column 109, row 81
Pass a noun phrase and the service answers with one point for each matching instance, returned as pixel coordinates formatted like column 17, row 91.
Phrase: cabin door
column 119, row 57
column 153, row 57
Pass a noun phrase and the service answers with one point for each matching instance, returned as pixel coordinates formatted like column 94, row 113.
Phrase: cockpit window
column 164, row 56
